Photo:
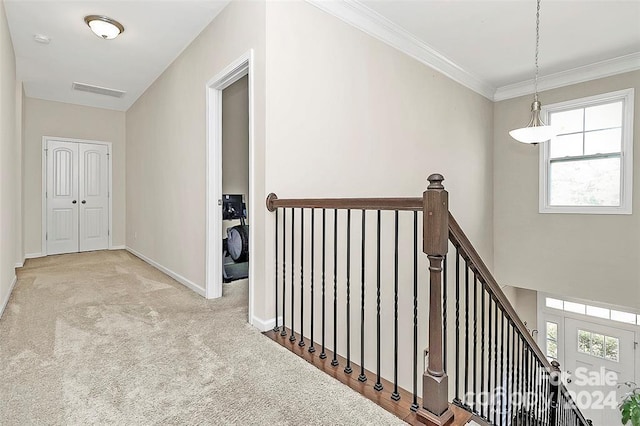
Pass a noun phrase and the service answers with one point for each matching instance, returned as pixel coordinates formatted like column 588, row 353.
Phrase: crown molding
column 594, row 71
column 372, row 23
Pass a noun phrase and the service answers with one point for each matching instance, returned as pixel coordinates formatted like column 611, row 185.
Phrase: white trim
column 33, row 255
column 45, row 141
column 356, row 14
column 265, row 325
column 213, row 255
column 5, row 302
column 589, row 72
column 626, row 201
column 20, row 264
column 118, row 247
column 372, row 23
column 182, row 280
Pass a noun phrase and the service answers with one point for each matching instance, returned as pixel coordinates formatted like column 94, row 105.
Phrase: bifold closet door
column 77, row 197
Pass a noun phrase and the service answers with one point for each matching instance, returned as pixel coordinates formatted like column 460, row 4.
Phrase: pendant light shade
column 536, row 131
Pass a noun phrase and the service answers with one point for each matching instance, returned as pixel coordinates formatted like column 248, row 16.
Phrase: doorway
column 242, row 67
column 76, row 205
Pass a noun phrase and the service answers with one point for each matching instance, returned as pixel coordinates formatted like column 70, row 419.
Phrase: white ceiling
column 156, row 32
column 486, row 45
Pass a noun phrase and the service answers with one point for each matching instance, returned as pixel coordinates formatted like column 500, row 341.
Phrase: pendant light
column 536, row 131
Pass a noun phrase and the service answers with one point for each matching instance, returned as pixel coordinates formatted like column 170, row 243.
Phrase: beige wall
column 10, row 237
column 592, row 257
column 166, row 141
column 46, row 118
column 235, row 139
column 348, row 115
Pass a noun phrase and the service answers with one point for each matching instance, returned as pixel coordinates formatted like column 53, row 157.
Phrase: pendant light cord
column 537, row 47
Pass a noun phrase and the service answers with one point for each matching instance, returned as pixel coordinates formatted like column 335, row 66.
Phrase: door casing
column 45, row 140
column 243, row 66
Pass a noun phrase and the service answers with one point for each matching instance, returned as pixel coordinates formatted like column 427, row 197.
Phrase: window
column 598, row 345
column 588, row 167
column 552, row 341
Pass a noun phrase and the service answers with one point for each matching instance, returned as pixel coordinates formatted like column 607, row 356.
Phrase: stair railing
column 499, row 373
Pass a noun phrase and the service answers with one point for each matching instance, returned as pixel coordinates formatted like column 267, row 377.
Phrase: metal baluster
column 378, row 385
column 475, row 341
column 323, row 354
column 334, row 361
column 414, row 404
column 509, row 370
column 457, row 378
column 518, row 371
column 301, row 342
column 495, row 351
column 292, row 338
column 466, row 329
column 445, row 284
column 482, row 335
column 362, row 377
column 502, row 354
column 395, row 395
column 312, row 348
column 276, row 328
column 489, row 357
column 347, row 368
column 283, row 333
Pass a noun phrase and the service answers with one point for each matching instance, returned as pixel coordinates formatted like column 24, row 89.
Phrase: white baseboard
column 118, row 248
column 33, row 255
column 182, row 280
column 265, row 325
column 20, row 264
column 6, row 299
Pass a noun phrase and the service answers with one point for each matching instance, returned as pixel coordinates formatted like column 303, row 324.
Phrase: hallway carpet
column 104, row 338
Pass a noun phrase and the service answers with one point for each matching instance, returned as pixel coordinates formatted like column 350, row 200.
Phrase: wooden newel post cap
column 555, row 366
column 435, row 181
column 270, row 199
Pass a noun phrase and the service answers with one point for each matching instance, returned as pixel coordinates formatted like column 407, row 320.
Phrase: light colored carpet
column 104, row 338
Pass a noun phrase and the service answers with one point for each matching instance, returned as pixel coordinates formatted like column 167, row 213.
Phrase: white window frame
column 626, row 155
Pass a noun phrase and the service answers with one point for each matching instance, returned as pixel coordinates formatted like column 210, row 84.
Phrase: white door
column 77, row 197
column 62, row 197
column 94, row 197
column 597, row 359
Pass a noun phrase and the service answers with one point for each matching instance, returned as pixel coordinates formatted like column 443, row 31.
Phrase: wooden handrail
column 403, row 204
column 459, row 238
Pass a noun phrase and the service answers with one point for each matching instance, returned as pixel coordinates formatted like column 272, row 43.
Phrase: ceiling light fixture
column 536, row 131
column 104, row 27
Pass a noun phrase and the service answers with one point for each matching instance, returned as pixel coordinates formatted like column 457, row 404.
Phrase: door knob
column 84, row 201
column 74, row 202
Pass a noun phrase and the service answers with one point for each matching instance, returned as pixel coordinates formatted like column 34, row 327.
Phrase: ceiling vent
column 98, row 90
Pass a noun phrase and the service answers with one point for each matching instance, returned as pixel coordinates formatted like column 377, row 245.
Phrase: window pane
column 594, row 311
column 597, row 345
column 602, row 141
column 552, row 349
column 567, row 121
column 578, row 308
column 552, row 331
column 603, row 116
column 585, row 183
column 623, row 316
column 584, row 341
column 612, row 346
column 566, row 146
column 554, row 303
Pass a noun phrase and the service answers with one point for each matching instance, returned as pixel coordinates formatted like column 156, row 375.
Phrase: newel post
column 435, row 384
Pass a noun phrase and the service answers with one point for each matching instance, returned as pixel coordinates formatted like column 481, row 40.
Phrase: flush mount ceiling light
column 103, row 26
column 536, row 131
